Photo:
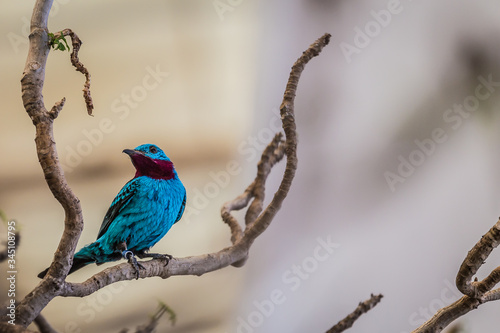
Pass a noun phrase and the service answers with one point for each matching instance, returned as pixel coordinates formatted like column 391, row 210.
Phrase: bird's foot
column 129, row 255
column 166, row 257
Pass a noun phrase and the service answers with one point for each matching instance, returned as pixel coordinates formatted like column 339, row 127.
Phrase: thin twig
column 288, row 121
column 448, row 314
column 474, row 260
column 273, row 153
column 362, row 308
column 475, row 292
column 43, row 325
column 150, row 327
column 75, row 61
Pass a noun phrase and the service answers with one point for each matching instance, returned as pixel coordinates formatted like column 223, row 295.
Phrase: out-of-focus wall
column 398, row 125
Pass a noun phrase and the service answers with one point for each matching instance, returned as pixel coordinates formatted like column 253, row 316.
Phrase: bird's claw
column 166, row 257
column 129, row 255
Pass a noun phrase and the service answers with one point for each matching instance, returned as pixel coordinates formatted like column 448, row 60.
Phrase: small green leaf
column 65, row 42
column 58, row 42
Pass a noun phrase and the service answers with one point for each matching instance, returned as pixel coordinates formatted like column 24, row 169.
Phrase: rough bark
column 362, row 308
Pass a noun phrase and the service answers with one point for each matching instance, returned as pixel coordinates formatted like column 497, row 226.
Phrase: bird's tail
column 80, row 260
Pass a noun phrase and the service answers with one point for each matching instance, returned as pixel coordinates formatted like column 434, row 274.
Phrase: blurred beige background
column 203, row 80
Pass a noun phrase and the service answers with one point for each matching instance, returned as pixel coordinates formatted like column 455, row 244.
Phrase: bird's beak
column 132, row 152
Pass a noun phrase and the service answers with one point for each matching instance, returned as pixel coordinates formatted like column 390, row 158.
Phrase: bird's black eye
column 153, row 150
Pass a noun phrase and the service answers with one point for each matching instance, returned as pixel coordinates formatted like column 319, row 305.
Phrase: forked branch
column 475, row 292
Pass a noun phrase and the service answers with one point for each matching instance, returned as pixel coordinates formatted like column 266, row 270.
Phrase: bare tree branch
column 448, row 314
column 362, row 308
column 475, row 292
column 75, row 61
column 273, row 153
column 474, row 260
column 32, row 85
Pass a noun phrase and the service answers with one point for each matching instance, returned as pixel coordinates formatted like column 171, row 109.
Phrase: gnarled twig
column 43, row 325
column 75, row 61
column 362, row 308
column 475, row 292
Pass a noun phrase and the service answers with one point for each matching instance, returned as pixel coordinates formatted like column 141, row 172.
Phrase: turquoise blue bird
column 140, row 215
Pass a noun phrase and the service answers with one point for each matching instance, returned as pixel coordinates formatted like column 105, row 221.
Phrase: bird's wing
column 181, row 211
column 121, row 200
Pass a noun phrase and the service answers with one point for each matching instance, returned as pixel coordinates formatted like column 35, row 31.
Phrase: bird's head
column 149, row 160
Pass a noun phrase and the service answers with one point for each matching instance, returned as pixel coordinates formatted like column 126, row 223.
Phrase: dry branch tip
column 75, row 61
column 54, row 112
column 363, row 307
